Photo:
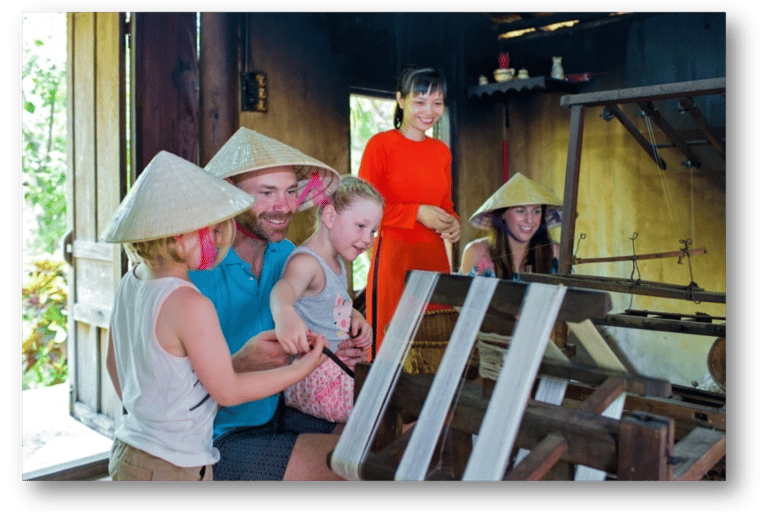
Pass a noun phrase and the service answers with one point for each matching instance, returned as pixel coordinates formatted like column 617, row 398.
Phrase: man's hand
column 350, row 354
column 261, row 352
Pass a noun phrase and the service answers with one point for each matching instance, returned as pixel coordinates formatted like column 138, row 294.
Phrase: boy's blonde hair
column 161, row 251
column 350, row 189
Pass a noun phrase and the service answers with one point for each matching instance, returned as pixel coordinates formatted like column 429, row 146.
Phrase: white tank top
column 170, row 414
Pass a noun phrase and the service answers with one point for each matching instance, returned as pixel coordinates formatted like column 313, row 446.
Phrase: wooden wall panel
column 219, row 81
column 166, row 86
column 82, row 345
column 96, row 183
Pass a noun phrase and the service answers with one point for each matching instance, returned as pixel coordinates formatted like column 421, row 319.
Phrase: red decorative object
column 503, row 60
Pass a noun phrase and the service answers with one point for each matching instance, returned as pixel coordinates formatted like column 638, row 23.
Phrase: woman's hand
column 440, row 221
column 453, row 233
column 434, row 217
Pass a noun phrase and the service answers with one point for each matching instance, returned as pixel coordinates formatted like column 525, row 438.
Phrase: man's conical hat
column 248, row 150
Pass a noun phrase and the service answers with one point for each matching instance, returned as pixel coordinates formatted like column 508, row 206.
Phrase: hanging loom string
column 652, row 138
column 687, row 242
column 635, row 266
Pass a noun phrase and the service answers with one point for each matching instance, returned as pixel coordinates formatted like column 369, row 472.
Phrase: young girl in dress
column 312, row 297
column 166, row 356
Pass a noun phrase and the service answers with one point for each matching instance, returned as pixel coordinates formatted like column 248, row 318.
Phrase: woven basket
column 430, row 341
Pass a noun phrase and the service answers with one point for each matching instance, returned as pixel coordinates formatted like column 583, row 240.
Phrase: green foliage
column 44, row 315
column 368, row 116
column 44, row 171
column 44, row 128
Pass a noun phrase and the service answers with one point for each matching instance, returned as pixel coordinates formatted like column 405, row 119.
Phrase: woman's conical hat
column 170, row 197
column 248, row 150
column 518, row 191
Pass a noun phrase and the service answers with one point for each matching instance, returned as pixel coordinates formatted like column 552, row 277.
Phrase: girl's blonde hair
column 161, row 251
column 350, row 189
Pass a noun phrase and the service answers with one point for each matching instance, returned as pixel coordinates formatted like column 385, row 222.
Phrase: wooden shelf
column 510, row 87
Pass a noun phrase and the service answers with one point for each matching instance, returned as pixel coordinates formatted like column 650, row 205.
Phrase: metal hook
column 634, row 260
column 686, row 244
column 582, row 236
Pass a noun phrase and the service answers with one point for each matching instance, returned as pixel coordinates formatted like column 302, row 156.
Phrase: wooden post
column 165, row 86
column 645, row 443
column 571, row 194
column 219, row 83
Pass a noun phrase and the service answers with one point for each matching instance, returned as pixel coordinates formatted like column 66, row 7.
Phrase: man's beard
column 260, row 227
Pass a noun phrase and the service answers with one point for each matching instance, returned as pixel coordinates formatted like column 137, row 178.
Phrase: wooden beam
column 613, row 284
column 709, row 133
column 638, row 384
column 636, row 134
column 662, row 324
column 658, row 255
column 684, row 413
column 578, row 304
column 540, row 460
column 571, row 192
column 669, row 131
column 698, row 452
column 648, row 93
column 545, row 454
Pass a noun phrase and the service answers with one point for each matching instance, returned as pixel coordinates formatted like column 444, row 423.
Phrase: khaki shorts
column 129, row 463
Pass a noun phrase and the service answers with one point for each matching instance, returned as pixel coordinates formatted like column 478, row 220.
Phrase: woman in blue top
column 517, row 215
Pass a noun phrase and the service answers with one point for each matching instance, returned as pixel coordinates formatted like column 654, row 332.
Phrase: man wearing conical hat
column 518, row 216
column 264, row 440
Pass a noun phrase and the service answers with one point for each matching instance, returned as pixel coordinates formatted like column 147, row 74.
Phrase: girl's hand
column 360, row 330
column 291, row 331
column 434, row 217
column 310, row 360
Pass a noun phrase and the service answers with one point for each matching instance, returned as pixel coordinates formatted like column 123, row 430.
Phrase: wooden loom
column 466, row 431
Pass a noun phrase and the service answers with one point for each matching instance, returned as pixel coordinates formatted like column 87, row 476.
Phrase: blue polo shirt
column 242, row 303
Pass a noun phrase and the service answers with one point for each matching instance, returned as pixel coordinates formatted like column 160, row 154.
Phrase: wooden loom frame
column 639, row 446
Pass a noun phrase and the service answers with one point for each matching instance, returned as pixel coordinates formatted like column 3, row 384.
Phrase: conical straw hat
column 173, row 196
column 518, row 191
column 248, row 150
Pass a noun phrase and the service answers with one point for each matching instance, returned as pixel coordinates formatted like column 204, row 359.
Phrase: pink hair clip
column 319, row 198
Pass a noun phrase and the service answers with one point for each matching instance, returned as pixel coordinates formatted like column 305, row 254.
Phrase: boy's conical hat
column 518, row 191
column 170, row 197
column 248, row 150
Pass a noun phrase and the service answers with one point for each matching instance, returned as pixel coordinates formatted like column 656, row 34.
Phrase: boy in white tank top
column 167, row 357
